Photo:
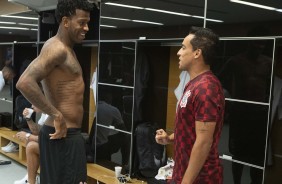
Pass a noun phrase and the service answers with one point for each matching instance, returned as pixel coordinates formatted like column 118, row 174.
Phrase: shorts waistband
column 52, row 129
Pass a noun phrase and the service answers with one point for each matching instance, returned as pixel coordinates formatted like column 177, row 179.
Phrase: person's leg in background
column 32, row 154
column 237, row 170
column 256, row 175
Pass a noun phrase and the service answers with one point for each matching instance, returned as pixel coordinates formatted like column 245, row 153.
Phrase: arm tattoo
column 204, row 127
column 34, row 127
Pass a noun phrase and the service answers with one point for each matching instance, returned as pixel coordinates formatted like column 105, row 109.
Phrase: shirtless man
column 62, row 152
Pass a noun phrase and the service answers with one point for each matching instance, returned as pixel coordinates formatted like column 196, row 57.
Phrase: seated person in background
column 32, row 146
column 107, row 141
column 6, row 74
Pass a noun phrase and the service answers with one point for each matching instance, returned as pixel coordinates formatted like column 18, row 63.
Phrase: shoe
column 8, row 145
column 37, row 179
column 25, row 180
column 13, row 148
column 5, row 162
column 22, row 181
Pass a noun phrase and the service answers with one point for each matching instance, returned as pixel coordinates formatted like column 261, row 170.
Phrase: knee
column 32, row 147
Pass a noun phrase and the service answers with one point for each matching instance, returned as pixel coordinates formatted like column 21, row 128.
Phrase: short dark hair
column 206, row 40
column 67, row 8
column 8, row 68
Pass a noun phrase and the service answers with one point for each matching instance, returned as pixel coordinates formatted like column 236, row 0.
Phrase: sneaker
column 13, row 148
column 37, row 179
column 8, row 145
column 22, row 181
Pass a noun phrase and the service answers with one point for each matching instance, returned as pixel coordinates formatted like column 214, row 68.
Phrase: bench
column 7, row 135
column 94, row 172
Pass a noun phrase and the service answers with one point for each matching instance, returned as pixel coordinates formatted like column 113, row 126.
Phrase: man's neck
column 63, row 36
column 199, row 71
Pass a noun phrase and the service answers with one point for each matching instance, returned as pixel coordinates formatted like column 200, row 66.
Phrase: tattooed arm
column 34, row 127
column 50, row 57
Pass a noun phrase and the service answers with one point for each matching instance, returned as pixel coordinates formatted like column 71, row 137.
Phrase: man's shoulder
column 209, row 80
column 54, row 48
column 54, row 44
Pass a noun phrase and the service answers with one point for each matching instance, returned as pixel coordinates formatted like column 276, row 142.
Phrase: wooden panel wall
column 92, row 106
column 173, row 82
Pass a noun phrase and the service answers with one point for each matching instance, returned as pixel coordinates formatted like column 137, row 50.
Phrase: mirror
column 114, row 126
column 236, row 172
column 116, row 63
column 113, row 148
column 244, row 68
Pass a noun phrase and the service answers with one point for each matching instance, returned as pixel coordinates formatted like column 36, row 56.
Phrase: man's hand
column 60, row 128
column 162, row 137
column 25, row 112
column 21, row 136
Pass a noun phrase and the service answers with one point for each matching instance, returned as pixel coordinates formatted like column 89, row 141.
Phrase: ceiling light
column 33, row 29
column 7, row 22
column 147, row 22
column 199, row 17
column 124, row 5
column 108, row 26
column 114, row 18
column 129, row 48
column 253, row 4
column 140, row 21
column 19, row 17
column 24, row 24
column 211, row 20
column 168, row 12
column 162, row 11
column 22, row 28
column 214, row 20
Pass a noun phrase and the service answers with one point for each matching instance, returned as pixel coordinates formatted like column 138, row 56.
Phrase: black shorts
column 62, row 161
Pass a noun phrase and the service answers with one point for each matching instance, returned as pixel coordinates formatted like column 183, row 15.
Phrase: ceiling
column 222, row 10
column 9, row 8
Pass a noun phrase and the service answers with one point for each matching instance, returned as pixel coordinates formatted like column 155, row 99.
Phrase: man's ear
column 197, row 53
column 66, row 21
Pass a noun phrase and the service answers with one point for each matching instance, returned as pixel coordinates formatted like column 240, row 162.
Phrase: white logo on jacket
column 184, row 99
